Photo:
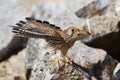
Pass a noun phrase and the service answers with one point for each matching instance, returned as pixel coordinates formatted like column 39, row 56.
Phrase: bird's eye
column 73, row 30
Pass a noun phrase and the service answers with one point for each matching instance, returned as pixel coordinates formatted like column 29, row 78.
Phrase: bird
column 57, row 38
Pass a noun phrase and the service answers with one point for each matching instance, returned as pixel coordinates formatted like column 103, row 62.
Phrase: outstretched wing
column 37, row 29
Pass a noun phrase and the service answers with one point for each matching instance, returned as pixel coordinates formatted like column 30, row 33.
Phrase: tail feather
column 25, row 33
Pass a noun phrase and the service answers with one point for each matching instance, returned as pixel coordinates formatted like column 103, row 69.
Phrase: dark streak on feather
column 52, row 25
column 29, row 19
column 22, row 22
column 13, row 26
column 14, row 31
column 18, row 24
column 39, row 21
column 46, row 22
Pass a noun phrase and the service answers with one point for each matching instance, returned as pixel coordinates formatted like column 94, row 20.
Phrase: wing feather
column 37, row 29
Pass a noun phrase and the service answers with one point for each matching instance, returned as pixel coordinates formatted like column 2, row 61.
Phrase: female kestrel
column 57, row 39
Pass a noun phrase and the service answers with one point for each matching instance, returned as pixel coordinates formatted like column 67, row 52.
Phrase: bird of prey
column 56, row 38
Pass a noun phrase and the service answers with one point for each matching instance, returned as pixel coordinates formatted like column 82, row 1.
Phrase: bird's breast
column 61, row 44
column 56, row 44
column 68, row 44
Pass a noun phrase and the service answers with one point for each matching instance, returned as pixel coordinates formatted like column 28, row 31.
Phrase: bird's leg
column 52, row 51
column 57, row 59
column 65, row 58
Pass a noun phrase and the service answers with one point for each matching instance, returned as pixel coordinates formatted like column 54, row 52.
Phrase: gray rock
column 101, row 4
column 75, row 5
column 10, row 15
column 117, row 7
column 102, row 25
column 13, row 68
column 80, row 54
column 117, row 73
column 70, row 19
column 45, row 11
column 99, row 7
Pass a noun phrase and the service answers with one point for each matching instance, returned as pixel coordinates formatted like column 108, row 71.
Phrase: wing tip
column 19, row 24
column 29, row 18
column 52, row 25
column 39, row 21
column 22, row 22
column 15, row 31
column 45, row 22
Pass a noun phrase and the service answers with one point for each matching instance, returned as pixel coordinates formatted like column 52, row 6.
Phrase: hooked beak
column 84, row 31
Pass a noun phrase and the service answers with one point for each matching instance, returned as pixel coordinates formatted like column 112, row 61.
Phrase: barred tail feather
column 25, row 33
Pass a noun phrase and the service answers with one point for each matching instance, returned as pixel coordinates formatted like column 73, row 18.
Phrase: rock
column 117, row 7
column 117, row 72
column 95, row 7
column 13, row 68
column 102, row 25
column 42, row 68
column 45, row 11
column 16, row 44
column 78, row 4
column 109, row 8
column 10, row 17
column 70, row 19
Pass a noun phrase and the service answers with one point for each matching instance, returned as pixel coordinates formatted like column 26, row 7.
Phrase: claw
column 86, row 65
column 66, row 59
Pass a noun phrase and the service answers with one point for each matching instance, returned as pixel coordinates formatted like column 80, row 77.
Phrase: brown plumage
column 57, row 39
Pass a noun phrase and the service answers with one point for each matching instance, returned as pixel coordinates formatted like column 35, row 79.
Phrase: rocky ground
column 14, row 67
column 94, row 58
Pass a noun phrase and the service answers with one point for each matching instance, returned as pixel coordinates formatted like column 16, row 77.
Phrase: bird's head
column 74, row 33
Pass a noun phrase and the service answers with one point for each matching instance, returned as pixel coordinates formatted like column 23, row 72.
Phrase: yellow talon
column 86, row 65
column 66, row 59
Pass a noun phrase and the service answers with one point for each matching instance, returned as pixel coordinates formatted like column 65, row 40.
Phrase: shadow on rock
column 109, row 42
column 16, row 44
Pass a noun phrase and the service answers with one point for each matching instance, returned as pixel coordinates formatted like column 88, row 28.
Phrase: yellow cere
column 75, row 31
